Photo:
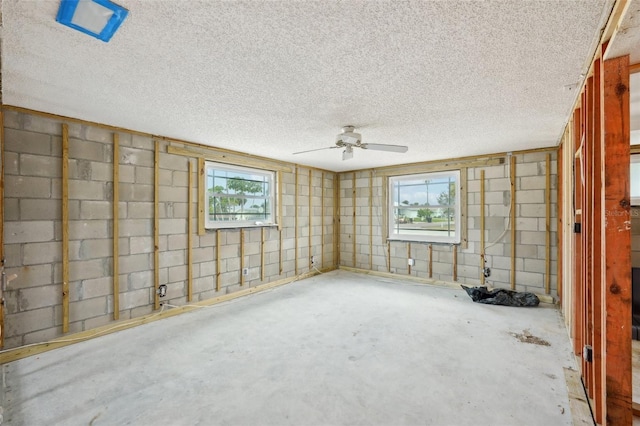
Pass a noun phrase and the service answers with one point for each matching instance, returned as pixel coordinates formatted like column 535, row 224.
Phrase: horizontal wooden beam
column 237, row 159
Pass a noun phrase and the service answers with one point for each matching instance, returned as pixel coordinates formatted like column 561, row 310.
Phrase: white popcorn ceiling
column 447, row 78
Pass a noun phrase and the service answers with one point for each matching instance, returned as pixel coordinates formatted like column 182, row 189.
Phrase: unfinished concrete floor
column 340, row 348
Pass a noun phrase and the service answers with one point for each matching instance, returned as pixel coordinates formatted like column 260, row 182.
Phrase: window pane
column 239, row 196
column 424, row 207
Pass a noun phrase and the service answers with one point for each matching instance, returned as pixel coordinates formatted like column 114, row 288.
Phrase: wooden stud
column 587, row 228
column 577, row 296
column 322, row 241
column 482, row 243
column 65, row 228
column 116, row 226
column 547, row 268
column 455, row 262
column 280, row 267
column 242, row 260
column 202, row 196
column 371, row 219
column 190, row 234
column 408, row 257
column 296, row 243
column 388, row 256
column 336, row 220
column 279, row 184
column 353, row 218
column 218, row 258
column 464, row 235
column 430, row 260
column 598, row 221
column 310, row 218
column 263, row 232
column 156, row 226
column 2, row 259
column 634, row 68
column 617, row 235
column 512, row 220
column 559, row 218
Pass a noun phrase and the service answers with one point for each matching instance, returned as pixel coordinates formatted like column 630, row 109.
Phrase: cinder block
column 92, row 323
column 146, row 176
column 27, row 187
column 96, row 209
column 37, row 337
column 98, row 134
column 141, row 311
column 39, row 297
column 88, row 229
column 28, row 232
column 126, row 173
column 135, row 227
column 97, row 287
column 135, row 263
column 533, row 182
column 136, row 192
column 172, row 226
column 178, row 273
column 85, row 150
column 172, row 258
column 86, row 190
column 138, row 280
column 204, row 284
column 27, row 142
column 41, row 124
column 142, row 142
column 88, row 269
column 136, row 298
column 141, row 245
column 37, row 253
column 136, row 157
column 529, row 237
column 93, row 249
column 29, row 321
column 40, row 165
column 173, row 162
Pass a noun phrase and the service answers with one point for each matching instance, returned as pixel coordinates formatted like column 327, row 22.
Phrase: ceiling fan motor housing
column 348, row 137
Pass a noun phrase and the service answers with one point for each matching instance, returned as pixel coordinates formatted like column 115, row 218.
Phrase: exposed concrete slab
column 340, row 348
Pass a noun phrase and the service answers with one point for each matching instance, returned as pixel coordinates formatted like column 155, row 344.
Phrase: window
column 425, row 207
column 238, row 196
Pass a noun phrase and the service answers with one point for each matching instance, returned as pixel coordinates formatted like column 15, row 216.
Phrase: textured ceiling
column 446, row 78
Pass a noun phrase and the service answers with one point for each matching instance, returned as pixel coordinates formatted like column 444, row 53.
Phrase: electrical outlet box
column 313, row 260
column 411, row 262
column 245, row 271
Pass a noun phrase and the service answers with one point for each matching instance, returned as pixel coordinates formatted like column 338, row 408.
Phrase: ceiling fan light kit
column 349, row 139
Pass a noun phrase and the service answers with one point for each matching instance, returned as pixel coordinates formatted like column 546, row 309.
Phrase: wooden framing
column 65, row 228
column 430, row 260
column 408, row 257
column 116, row 227
column 353, row 223
column 547, row 267
column 2, row 259
column 296, row 243
column 371, row 219
column 280, row 225
column 464, row 185
column 454, row 248
column 242, row 259
column 618, row 241
column 388, row 256
column 263, row 236
column 218, row 259
column 512, row 219
column 634, row 68
column 190, row 233
column 202, row 185
column 228, row 157
column 310, row 218
column 482, row 238
column 336, row 220
column 156, row 226
column 322, row 207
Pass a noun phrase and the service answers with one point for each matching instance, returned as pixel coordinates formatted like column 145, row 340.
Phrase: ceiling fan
column 348, row 140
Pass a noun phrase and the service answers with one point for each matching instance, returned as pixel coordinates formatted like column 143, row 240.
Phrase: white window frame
column 272, row 198
column 393, row 203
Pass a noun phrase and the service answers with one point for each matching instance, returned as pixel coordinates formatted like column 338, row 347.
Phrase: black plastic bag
column 499, row 296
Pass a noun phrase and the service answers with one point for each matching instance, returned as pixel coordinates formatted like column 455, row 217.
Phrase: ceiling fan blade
column 384, row 147
column 317, row 149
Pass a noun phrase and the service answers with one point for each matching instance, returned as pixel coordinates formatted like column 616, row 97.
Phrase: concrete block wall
column 33, row 229
column 530, row 226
